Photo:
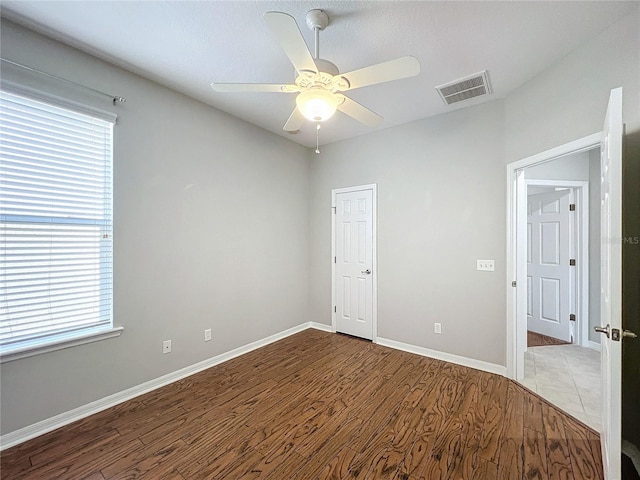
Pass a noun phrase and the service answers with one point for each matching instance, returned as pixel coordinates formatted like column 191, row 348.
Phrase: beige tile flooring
column 569, row 377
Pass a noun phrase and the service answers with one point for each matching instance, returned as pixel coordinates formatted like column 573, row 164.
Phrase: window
column 56, row 276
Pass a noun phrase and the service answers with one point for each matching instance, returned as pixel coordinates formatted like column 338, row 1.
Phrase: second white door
column 353, row 281
column 548, row 255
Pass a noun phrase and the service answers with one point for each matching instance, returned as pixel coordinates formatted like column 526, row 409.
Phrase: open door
column 611, row 285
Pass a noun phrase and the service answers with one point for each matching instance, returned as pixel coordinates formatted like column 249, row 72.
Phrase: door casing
column 516, row 257
column 374, row 269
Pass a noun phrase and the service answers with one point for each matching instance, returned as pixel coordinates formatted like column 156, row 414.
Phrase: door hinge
column 334, row 259
column 572, row 317
column 572, row 207
column 572, row 262
column 335, row 310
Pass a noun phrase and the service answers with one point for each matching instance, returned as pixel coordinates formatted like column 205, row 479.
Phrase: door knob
column 604, row 330
column 615, row 333
column 366, row 272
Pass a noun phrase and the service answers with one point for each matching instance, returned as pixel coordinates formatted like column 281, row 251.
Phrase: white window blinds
column 55, row 223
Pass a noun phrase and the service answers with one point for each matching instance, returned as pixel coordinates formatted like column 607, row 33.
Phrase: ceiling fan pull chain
column 318, row 137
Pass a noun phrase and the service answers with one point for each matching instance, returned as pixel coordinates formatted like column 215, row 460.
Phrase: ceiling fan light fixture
column 317, row 105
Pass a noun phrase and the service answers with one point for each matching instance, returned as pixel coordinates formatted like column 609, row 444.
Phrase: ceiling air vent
column 465, row 88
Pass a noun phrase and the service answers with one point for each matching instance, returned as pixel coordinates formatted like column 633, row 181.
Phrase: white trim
column 581, row 145
column 446, row 357
column 321, row 326
column 60, row 344
column 594, row 346
column 374, row 257
column 40, row 428
column 516, row 261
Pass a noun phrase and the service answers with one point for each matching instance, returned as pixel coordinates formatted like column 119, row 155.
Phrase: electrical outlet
column 207, row 335
column 166, row 346
column 486, row 265
column 437, row 328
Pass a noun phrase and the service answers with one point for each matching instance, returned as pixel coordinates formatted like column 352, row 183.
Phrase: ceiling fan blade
column 291, row 40
column 402, row 67
column 251, row 87
column 359, row 112
column 295, row 121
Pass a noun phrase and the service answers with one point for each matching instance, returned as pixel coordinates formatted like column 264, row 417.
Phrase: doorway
column 353, row 267
column 517, row 235
column 561, row 366
column 609, row 143
column 559, row 254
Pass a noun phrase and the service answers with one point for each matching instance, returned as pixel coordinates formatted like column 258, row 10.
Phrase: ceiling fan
column 319, row 84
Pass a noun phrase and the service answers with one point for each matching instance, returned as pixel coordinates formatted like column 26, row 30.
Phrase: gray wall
column 441, row 204
column 211, row 231
column 569, row 100
column 571, row 167
column 440, row 174
column 217, row 221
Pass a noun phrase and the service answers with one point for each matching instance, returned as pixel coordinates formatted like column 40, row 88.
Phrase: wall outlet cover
column 486, row 265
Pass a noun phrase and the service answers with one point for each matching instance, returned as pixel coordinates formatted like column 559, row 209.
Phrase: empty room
column 306, row 240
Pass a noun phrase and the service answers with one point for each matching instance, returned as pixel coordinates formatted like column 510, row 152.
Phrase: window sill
column 60, row 344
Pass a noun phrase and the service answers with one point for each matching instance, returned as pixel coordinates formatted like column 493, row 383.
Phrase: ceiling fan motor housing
column 317, row 19
column 325, row 66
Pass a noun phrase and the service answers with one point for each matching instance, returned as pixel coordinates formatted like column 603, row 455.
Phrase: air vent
column 465, row 88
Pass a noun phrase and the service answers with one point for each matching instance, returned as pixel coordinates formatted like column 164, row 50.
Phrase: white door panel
column 611, row 284
column 549, row 274
column 354, row 263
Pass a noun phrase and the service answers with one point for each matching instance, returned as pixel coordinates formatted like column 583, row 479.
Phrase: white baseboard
column 447, row 357
column 594, row 345
column 40, row 428
column 321, row 326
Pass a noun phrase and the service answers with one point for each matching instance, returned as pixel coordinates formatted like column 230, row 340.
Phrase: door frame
column 374, row 256
column 579, row 245
column 516, row 257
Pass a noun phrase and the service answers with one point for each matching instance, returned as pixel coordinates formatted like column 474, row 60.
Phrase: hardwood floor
column 538, row 340
column 320, row 406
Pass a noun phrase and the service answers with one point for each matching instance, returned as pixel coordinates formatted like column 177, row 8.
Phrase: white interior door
column 549, row 280
column 611, row 285
column 353, row 280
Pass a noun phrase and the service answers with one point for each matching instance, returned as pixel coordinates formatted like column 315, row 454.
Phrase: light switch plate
column 486, row 265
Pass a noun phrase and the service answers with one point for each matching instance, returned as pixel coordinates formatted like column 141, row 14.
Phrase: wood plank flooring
column 320, row 406
column 538, row 340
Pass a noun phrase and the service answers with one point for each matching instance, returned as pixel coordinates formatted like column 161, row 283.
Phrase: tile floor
column 569, row 377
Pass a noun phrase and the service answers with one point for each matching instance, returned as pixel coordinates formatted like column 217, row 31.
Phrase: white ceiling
column 186, row 45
